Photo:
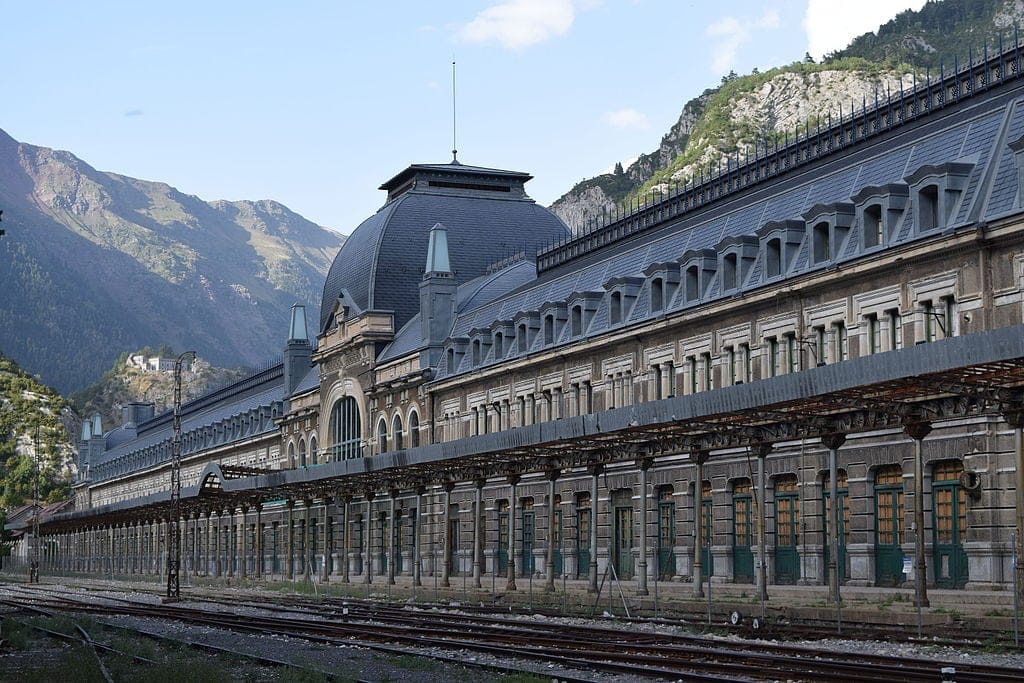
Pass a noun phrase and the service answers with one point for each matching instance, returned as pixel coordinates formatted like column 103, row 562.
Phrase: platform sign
column 908, row 565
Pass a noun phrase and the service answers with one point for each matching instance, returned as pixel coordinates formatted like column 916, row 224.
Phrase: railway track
column 641, row 653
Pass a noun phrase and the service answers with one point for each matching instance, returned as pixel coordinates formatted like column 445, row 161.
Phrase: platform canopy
column 971, row 375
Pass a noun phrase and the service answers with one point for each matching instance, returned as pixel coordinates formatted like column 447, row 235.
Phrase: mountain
column 940, row 32
column 33, row 419
column 96, row 263
column 126, row 382
column 745, row 113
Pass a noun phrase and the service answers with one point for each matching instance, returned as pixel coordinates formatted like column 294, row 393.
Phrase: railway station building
column 806, row 366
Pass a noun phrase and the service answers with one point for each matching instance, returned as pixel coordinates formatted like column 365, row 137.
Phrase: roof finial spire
column 455, row 151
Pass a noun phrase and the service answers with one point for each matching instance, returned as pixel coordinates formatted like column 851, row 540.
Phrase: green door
column 742, row 533
column 844, row 522
column 707, row 532
column 787, row 529
column 501, row 552
column 623, row 541
column 889, row 527
column 950, row 501
column 557, row 539
column 529, row 534
column 666, row 533
column 583, row 519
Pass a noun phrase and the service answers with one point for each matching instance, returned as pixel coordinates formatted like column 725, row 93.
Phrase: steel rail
column 803, row 662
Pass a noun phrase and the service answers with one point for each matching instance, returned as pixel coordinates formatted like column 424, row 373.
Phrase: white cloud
column 626, row 118
column 832, row 25
column 518, row 24
column 729, row 34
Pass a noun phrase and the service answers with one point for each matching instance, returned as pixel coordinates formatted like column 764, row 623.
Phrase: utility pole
column 33, row 572
column 174, row 513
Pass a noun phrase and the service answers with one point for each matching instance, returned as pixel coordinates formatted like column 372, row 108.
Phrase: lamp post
column 174, row 513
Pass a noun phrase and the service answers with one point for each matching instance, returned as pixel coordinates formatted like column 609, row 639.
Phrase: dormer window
column 476, row 352
column 873, row 226
column 521, row 341
column 549, row 329
column 499, row 345
column 936, row 192
column 699, row 268
column 779, row 243
column 828, row 226
column 879, row 209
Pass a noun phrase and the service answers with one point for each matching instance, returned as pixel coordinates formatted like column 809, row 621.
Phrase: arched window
column 414, row 430
column 396, row 428
column 729, row 271
column 291, row 454
column 577, row 321
column 692, row 284
column 657, row 294
column 615, row 308
column 302, row 452
column 382, row 436
column 345, row 431
column 773, row 253
column 312, row 449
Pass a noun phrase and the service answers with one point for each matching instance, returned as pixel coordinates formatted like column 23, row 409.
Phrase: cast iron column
column 595, row 472
column 511, row 585
column 392, row 550
column 417, row 535
column 641, row 578
column 762, row 569
column 918, row 431
column 368, row 525
column 290, row 540
column 478, row 532
column 446, row 547
column 1015, row 418
column 549, row 560
column 833, row 442
column 699, row 457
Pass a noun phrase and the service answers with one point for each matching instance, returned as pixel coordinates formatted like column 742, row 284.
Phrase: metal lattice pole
column 174, row 513
column 33, row 576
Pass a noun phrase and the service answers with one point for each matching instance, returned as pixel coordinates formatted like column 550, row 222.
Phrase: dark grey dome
column 488, row 216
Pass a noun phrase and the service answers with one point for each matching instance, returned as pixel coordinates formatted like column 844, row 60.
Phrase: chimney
column 298, row 353
column 437, row 296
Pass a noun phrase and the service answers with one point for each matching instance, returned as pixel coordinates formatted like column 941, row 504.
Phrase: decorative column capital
column 917, row 430
column 833, row 441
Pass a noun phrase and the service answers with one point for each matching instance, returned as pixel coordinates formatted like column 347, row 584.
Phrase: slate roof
column 469, row 296
column 251, row 396
column 381, row 263
column 975, row 135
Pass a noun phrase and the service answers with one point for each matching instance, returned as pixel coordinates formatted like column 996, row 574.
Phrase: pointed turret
column 437, row 295
column 297, row 352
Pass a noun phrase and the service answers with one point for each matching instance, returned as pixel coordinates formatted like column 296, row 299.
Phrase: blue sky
column 315, row 104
